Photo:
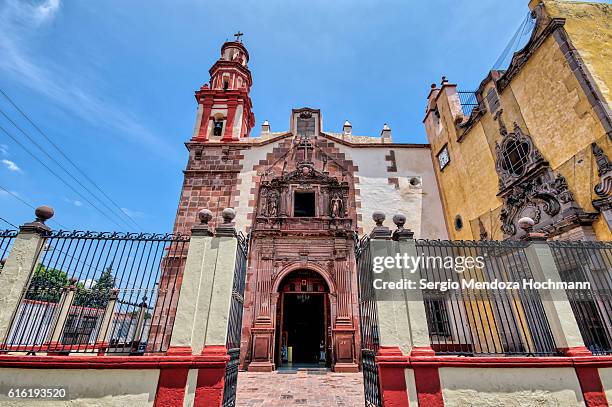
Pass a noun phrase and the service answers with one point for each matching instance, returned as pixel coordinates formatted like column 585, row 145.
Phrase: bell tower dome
column 224, row 104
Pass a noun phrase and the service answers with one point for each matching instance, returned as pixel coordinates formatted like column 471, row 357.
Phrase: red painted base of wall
column 391, row 363
column 174, row 369
column 209, row 391
column 592, row 388
column 171, row 387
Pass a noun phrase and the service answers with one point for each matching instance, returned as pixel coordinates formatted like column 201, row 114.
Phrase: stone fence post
column 557, row 307
column 402, row 319
column 202, row 315
column 20, row 264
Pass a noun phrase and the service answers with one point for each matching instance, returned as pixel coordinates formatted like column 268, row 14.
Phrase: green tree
column 97, row 296
column 47, row 284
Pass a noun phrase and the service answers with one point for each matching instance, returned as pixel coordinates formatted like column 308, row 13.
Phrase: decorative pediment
column 305, row 173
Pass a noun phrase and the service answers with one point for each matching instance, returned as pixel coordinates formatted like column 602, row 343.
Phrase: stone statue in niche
column 269, row 206
column 272, row 204
column 337, row 207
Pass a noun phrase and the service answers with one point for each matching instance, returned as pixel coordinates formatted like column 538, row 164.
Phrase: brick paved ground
column 301, row 388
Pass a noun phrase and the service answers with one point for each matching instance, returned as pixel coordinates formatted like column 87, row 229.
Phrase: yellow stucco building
column 537, row 140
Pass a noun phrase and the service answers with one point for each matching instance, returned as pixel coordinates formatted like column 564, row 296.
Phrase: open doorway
column 302, row 334
column 304, row 327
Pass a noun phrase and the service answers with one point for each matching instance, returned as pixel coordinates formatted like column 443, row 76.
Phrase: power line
column 56, row 175
column 59, row 165
column 17, row 197
column 67, row 158
column 7, row 222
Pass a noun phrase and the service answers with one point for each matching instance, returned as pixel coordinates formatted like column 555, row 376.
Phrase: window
column 437, row 123
column 79, row 330
column 458, row 223
column 225, row 80
column 438, row 317
column 514, row 157
column 492, row 100
column 443, row 157
column 304, row 204
column 218, row 128
column 306, row 124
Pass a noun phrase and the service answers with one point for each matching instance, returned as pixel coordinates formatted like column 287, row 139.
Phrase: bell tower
column 224, row 104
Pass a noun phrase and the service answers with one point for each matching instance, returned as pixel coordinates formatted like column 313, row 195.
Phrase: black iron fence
column 368, row 323
column 234, row 327
column 475, row 320
column 6, row 241
column 468, row 101
column 589, row 262
column 99, row 292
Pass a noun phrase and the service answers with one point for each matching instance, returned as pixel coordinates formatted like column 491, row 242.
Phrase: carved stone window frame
column 532, row 161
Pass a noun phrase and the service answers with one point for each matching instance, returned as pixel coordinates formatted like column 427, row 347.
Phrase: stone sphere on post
column 378, row 218
column 526, row 223
column 399, row 220
column 228, row 215
column 44, row 213
column 205, row 216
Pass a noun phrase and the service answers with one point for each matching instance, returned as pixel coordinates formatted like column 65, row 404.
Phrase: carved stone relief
column 529, row 187
column 603, row 189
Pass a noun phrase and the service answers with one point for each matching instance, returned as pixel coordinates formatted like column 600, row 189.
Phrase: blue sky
column 111, row 83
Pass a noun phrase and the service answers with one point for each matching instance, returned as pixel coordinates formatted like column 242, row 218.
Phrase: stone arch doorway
column 303, row 328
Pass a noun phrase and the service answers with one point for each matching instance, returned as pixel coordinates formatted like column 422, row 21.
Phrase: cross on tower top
column 238, row 35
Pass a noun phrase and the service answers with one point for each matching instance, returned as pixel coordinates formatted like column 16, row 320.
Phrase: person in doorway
column 322, row 352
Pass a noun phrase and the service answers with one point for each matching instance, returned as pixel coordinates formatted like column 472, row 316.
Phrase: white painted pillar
column 192, row 310
column 206, row 291
column 20, row 264
column 556, row 304
column 415, row 305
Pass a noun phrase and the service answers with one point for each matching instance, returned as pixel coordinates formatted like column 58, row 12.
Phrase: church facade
column 305, row 195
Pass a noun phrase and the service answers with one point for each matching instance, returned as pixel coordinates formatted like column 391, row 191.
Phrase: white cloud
column 46, row 10
column 132, row 214
column 3, row 149
column 20, row 23
column 11, row 166
column 74, row 202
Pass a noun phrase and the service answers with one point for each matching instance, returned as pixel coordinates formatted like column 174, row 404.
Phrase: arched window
column 218, row 122
column 515, row 157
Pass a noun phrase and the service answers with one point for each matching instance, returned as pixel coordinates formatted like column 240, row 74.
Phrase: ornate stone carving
column 483, row 232
column 331, row 201
column 542, row 195
column 604, row 170
column 529, row 188
column 516, row 155
column 270, row 202
column 603, row 188
column 336, row 204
